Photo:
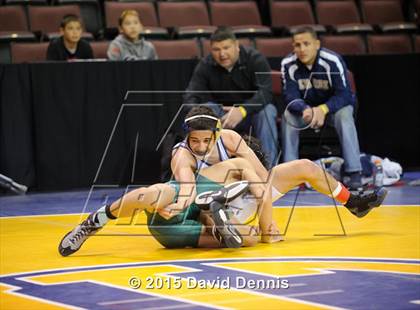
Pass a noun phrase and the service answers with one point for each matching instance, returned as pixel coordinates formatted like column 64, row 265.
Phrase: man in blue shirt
column 317, row 90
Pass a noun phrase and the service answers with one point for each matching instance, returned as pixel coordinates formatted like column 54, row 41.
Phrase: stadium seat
column 46, row 19
column 189, row 19
column 417, row 43
column 14, row 36
column 206, row 44
column 29, row 52
column 387, row 14
column 25, row 2
column 99, row 49
column 352, row 82
column 13, row 18
column 389, row 44
column 242, row 16
column 417, row 11
column 344, row 44
column 343, row 16
column 276, row 89
column 290, row 15
column 13, row 26
column 128, row 1
column 177, row 49
column 278, row 47
column 276, row 82
column 146, row 12
column 90, row 11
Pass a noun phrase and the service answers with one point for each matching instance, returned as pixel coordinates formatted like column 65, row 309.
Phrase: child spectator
column 69, row 45
column 128, row 45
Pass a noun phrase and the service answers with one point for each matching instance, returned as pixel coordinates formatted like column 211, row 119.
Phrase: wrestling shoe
column 73, row 240
column 360, row 205
column 231, row 238
column 224, row 195
column 216, row 202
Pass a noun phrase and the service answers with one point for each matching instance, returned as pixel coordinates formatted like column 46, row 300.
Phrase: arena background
column 57, row 118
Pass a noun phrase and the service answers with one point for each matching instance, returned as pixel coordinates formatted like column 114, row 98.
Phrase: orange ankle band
column 341, row 194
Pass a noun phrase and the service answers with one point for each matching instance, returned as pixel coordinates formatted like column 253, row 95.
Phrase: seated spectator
column 128, row 45
column 317, row 91
column 69, row 45
column 235, row 82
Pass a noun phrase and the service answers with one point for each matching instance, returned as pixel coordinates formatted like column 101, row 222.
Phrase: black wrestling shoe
column 231, row 238
column 216, row 202
column 223, row 195
column 360, row 205
column 73, row 240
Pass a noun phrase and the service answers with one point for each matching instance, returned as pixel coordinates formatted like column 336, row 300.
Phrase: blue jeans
column 342, row 121
column 264, row 126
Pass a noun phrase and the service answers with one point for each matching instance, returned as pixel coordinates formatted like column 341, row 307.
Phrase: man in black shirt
column 235, row 82
column 69, row 45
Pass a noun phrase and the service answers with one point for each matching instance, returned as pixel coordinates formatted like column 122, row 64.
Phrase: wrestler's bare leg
column 287, row 176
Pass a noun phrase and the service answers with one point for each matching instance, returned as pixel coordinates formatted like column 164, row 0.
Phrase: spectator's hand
column 307, row 115
column 319, row 118
column 171, row 210
column 232, row 117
